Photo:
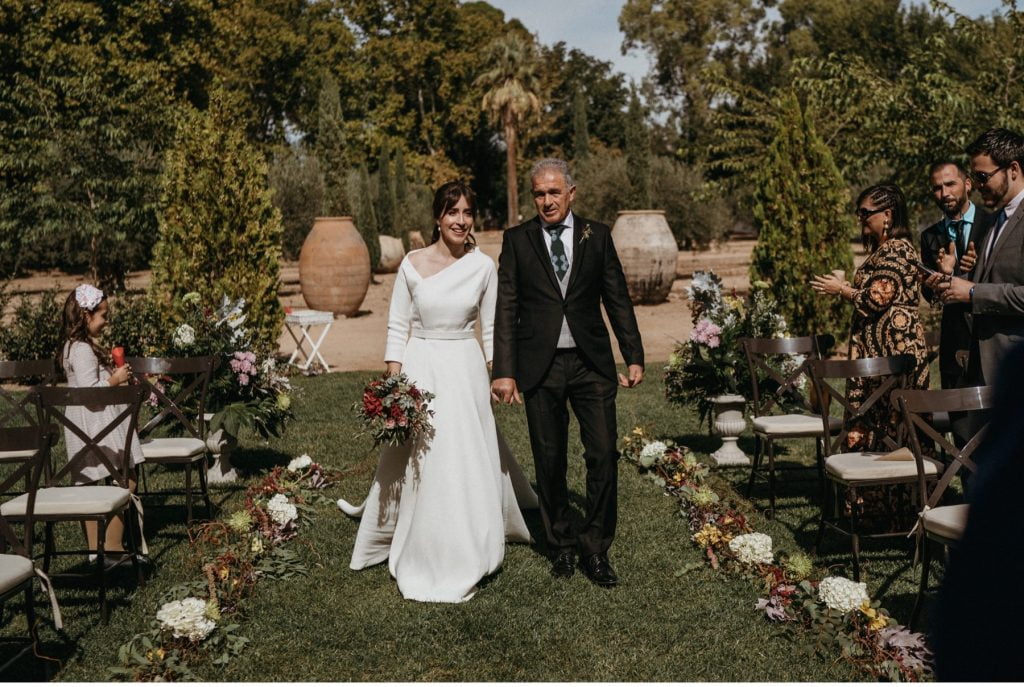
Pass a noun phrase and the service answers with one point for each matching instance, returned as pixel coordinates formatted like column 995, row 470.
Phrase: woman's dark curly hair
column 74, row 326
column 889, row 197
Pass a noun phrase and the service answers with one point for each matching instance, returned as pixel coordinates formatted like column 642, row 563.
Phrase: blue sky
column 593, row 26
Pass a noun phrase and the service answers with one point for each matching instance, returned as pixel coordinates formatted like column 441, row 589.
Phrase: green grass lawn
column 339, row 624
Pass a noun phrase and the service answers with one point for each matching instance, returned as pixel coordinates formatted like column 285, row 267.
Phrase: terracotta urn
column 648, row 252
column 334, row 266
column 391, row 254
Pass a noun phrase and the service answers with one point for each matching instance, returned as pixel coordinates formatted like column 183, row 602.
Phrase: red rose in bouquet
column 394, row 410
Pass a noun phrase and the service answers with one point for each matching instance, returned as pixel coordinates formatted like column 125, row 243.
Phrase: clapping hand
column 946, row 259
column 969, row 259
column 827, row 283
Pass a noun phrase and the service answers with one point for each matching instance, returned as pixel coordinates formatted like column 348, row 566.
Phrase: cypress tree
column 638, row 155
column 219, row 232
column 581, row 133
column 366, row 217
column 330, row 149
column 401, row 188
column 385, row 193
column 801, row 207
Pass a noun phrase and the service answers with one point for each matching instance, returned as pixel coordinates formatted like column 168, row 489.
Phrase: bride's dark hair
column 445, row 199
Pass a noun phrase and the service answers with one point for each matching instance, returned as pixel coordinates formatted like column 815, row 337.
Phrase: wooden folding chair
column 189, row 450
column 17, row 571
column 21, row 409
column 940, row 522
column 775, row 390
column 55, row 502
column 855, row 470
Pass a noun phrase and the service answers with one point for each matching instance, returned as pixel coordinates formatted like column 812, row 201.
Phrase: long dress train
column 441, row 508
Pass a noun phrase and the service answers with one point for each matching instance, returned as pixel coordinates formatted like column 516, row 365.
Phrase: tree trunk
column 513, row 177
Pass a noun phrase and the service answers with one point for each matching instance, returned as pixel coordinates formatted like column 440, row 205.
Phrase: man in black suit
column 551, row 345
column 949, row 247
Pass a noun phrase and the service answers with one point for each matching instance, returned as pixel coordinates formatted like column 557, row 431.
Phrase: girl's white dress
column 440, row 510
column 83, row 369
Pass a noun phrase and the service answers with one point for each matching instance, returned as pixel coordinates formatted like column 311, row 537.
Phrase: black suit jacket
column 530, row 306
column 955, row 334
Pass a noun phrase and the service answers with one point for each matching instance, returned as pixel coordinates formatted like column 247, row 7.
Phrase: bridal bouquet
column 393, row 410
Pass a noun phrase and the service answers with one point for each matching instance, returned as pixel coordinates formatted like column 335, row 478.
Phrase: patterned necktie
column 559, row 260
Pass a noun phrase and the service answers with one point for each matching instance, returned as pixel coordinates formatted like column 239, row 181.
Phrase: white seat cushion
column 793, row 425
column 13, row 571
column 173, row 447
column 81, row 500
column 13, row 456
column 947, row 522
column 856, row 467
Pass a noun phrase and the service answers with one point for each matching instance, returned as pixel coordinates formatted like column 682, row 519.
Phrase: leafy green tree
column 401, row 191
column 330, row 150
column 511, row 83
column 581, row 132
column 801, row 206
column 638, row 156
column 366, row 217
column 298, row 186
column 386, row 202
column 220, row 233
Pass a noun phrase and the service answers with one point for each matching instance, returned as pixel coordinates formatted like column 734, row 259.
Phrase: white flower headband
column 88, row 297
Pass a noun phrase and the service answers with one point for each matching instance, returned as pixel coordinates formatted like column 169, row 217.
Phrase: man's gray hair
column 553, row 163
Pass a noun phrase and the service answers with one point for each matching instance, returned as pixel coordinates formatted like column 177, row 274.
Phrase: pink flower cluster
column 243, row 363
column 706, row 332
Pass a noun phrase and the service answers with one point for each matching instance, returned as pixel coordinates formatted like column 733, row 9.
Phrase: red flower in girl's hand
column 372, row 405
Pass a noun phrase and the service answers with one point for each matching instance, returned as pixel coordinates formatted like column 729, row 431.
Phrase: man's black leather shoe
column 598, row 568
column 564, row 565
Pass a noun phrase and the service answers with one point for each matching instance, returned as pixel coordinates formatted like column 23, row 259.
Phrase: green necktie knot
column 559, row 260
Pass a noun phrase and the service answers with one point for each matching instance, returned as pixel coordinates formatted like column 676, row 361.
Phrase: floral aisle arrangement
column 393, row 410
column 711, row 361
column 202, row 619
column 838, row 613
column 248, row 388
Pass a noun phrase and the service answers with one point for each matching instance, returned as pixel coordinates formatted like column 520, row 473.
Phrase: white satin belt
column 445, row 334
column 350, row 510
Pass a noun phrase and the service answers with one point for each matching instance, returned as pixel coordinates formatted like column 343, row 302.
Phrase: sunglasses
column 863, row 213
column 981, row 178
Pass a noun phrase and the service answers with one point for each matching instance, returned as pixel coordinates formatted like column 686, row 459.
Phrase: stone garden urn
column 648, row 253
column 334, row 266
column 220, row 444
column 729, row 423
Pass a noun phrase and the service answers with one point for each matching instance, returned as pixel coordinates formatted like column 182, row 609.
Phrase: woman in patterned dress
column 886, row 293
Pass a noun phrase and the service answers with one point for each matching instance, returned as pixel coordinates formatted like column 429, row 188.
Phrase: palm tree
column 511, row 84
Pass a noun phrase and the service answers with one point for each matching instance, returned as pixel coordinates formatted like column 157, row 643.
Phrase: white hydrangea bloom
column 652, row 453
column 280, row 510
column 752, row 548
column 842, row 594
column 184, row 336
column 186, row 618
column 300, row 463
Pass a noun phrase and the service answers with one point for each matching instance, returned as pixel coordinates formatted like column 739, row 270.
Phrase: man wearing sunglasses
column 950, row 246
column 994, row 290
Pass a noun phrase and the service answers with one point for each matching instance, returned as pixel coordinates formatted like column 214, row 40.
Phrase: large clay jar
column 648, row 251
column 391, row 254
column 334, row 266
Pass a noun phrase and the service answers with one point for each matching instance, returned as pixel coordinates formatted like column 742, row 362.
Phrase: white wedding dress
column 440, row 510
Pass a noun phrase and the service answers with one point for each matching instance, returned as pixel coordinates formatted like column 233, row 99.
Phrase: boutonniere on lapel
column 586, row 233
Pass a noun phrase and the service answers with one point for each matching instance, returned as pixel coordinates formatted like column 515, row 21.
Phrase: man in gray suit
column 996, row 293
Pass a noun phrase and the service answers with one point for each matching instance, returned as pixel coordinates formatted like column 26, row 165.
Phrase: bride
column 440, row 509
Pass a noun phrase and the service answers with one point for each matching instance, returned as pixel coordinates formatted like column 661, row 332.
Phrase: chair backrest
column 197, row 373
column 18, row 409
column 56, row 401
column 918, row 407
column 773, row 386
column 23, row 439
column 890, row 372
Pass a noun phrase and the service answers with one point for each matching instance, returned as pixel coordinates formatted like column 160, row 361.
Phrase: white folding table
column 304, row 320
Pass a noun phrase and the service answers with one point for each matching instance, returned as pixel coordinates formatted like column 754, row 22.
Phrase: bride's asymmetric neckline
column 440, row 271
